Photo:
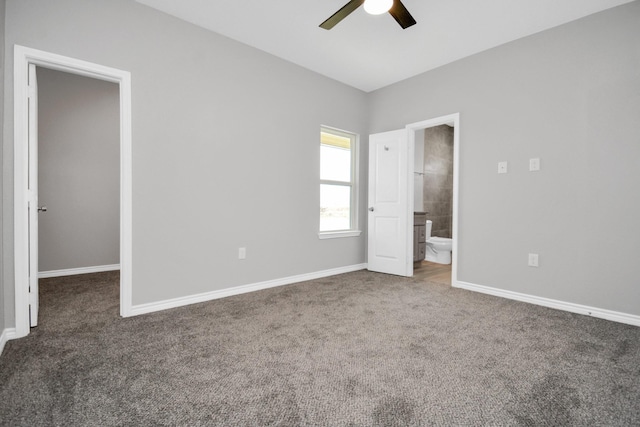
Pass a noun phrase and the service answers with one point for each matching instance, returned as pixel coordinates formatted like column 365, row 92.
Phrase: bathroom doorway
column 434, row 155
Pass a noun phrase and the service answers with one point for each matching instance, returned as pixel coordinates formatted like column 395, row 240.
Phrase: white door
column 33, row 196
column 388, row 204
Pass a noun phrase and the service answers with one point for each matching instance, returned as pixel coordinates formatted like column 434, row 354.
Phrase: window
column 338, row 190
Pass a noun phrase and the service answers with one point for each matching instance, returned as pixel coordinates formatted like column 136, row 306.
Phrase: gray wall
column 570, row 96
column 225, row 147
column 438, row 179
column 2, row 161
column 79, row 171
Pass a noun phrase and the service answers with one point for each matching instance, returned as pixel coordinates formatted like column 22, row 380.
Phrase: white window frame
column 354, row 231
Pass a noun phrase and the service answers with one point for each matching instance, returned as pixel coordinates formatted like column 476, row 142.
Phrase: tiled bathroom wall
column 438, row 178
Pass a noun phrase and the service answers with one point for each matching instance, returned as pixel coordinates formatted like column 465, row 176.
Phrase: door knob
column 42, row 209
column 371, row 209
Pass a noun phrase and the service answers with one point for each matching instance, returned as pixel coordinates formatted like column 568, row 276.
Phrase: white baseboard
column 222, row 293
column 6, row 335
column 615, row 316
column 75, row 271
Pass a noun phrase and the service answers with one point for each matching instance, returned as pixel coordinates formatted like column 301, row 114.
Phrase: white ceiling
column 369, row 52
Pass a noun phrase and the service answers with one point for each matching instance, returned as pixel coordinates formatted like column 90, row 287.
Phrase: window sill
column 338, row 234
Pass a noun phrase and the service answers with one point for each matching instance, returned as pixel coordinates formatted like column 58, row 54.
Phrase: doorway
column 441, row 273
column 25, row 165
column 78, row 177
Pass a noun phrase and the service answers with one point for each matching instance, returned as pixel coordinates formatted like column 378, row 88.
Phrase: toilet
column 438, row 248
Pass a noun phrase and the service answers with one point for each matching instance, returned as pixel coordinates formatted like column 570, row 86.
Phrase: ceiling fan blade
column 341, row 14
column 401, row 14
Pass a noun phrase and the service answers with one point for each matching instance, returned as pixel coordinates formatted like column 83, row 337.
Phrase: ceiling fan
column 374, row 7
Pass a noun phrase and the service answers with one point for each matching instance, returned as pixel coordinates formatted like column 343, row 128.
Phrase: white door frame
column 24, row 56
column 453, row 120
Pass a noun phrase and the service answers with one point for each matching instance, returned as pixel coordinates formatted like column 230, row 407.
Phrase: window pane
column 335, row 163
column 335, row 202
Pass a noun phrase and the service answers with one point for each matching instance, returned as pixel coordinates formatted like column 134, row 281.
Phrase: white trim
column 76, row 271
column 7, row 334
column 338, row 234
column 222, row 293
column 453, row 120
column 24, row 56
column 614, row 316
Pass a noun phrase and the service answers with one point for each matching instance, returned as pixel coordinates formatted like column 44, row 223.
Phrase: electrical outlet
column 534, row 165
column 242, row 253
column 502, row 167
column 533, row 260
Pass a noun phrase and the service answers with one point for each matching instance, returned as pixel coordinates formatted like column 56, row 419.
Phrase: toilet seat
column 438, row 240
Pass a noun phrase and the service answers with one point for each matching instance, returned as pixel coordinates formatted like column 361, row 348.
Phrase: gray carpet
column 359, row 349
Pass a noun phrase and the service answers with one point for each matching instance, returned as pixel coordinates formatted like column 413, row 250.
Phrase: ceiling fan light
column 377, row 7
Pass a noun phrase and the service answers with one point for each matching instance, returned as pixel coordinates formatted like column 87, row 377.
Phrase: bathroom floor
column 432, row 272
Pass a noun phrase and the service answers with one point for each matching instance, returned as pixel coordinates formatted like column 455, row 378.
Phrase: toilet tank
column 428, row 229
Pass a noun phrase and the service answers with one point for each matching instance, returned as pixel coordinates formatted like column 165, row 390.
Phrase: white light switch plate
column 502, row 167
column 534, row 165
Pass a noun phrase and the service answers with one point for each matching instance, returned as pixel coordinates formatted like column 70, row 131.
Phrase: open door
column 33, row 195
column 388, row 203
column 25, row 180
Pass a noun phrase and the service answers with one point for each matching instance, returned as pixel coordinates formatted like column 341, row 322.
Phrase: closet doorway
column 26, row 206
